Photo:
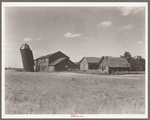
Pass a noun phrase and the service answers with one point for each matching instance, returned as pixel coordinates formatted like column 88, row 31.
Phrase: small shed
column 89, row 63
column 113, row 64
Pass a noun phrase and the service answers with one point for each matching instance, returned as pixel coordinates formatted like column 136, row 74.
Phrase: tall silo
column 27, row 57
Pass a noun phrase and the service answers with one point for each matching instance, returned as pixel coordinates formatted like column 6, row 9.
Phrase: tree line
column 137, row 63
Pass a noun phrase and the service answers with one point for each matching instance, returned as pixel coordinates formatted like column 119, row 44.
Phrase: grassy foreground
column 60, row 93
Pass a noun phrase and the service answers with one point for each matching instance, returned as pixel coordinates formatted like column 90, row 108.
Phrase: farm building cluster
column 106, row 64
column 58, row 61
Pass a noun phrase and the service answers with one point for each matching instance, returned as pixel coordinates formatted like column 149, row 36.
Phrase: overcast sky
column 76, row 31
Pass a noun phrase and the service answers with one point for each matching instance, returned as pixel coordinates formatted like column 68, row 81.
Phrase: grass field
column 66, row 93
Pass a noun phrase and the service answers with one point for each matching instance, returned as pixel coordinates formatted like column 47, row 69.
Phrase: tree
column 132, row 63
column 137, row 63
column 140, row 64
column 127, row 55
column 139, row 57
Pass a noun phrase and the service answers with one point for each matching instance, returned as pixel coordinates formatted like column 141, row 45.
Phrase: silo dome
column 25, row 46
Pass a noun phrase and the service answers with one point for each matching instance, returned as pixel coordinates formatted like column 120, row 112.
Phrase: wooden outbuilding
column 113, row 64
column 54, row 62
column 89, row 63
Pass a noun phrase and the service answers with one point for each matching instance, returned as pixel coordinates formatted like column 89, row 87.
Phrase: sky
column 76, row 31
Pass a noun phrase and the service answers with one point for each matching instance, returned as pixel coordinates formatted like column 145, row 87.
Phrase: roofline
column 81, row 60
column 50, row 56
column 113, row 57
column 58, row 62
column 73, row 63
column 90, row 57
column 101, row 60
column 24, row 44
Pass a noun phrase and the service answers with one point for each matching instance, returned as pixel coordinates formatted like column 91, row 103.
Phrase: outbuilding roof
column 115, row 62
column 92, row 59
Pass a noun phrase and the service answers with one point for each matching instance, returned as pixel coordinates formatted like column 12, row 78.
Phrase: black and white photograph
column 75, row 60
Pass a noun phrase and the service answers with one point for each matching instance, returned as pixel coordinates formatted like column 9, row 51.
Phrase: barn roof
column 91, row 59
column 57, row 61
column 49, row 55
column 115, row 62
column 46, row 56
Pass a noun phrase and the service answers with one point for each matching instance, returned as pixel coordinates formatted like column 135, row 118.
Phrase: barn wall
column 72, row 65
column 43, row 65
column 114, row 69
column 93, row 66
column 84, row 65
column 35, row 63
column 56, row 56
column 51, row 68
column 36, row 66
column 102, row 66
column 61, row 66
column 103, row 62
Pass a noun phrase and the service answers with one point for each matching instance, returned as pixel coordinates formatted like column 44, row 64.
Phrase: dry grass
column 72, row 94
column 98, row 72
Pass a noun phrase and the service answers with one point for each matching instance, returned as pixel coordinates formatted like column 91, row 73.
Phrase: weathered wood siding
column 51, row 68
column 72, row 65
column 114, row 69
column 103, row 67
column 43, row 64
column 61, row 66
column 57, row 56
column 84, row 64
column 93, row 66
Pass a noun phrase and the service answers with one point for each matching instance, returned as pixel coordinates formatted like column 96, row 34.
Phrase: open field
column 98, row 72
column 66, row 93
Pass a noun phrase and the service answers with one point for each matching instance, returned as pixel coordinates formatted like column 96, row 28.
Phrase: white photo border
column 74, row 4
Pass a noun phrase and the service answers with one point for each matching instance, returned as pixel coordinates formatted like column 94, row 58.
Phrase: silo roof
column 25, row 46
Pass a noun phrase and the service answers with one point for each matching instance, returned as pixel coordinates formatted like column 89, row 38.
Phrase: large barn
column 113, row 64
column 89, row 63
column 54, row 62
